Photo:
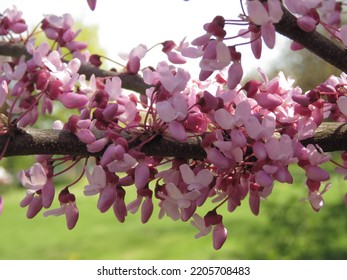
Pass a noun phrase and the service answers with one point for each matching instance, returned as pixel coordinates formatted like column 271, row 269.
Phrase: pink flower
column 216, row 56
column 214, row 28
column 172, row 51
column 263, row 130
column 173, row 82
column 17, row 73
column 309, row 16
column 134, row 58
column 114, row 87
column 196, row 182
column 199, row 223
column 12, row 21
column 117, row 160
column 316, row 197
column 34, row 179
column 175, row 200
column 67, row 207
column 97, row 180
column 176, row 108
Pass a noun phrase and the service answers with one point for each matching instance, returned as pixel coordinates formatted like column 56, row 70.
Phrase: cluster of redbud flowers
column 250, row 133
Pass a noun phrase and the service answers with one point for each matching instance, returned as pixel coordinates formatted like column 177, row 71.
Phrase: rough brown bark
column 329, row 136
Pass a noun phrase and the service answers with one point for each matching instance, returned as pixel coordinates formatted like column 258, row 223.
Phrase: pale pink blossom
column 176, row 200
column 134, row 58
column 199, row 223
column 114, row 87
column 12, row 21
column 67, row 207
column 120, row 161
column 196, row 182
column 17, row 73
column 173, row 51
column 172, row 81
column 96, row 179
column 316, row 197
column 34, row 179
column 176, row 108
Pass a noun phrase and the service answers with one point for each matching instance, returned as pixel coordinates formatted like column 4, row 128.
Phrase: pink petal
column 107, row 198
column 204, row 177
column 177, row 131
column 253, row 127
column 263, row 179
column 85, row 136
column 187, row 174
column 268, row 100
column 146, row 210
column 254, row 202
column 307, row 23
column 92, row 4
column 216, row 157
column 35, row 207
column 73, row 100
column 315, row 173
column 38, row 175
column 97, row 145
column 47, row 193
column 257, row 12
column 224, row 119
column 219, row 236
column 120, row 209
column 176, row 58
column 275, row 10
column 141, row 175
column 256, row 45
column 71, row 216
column 268, row 33
column 342, row 104
column 166, row 111
column 235, row 74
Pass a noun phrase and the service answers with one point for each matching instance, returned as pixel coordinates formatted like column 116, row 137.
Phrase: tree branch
column 129, row 81
column 313, row 41
column 329, row 136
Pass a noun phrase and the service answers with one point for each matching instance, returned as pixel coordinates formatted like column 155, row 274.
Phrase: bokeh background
column 287, row 227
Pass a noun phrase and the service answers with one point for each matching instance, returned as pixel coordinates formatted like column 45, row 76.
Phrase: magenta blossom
column 67, row 207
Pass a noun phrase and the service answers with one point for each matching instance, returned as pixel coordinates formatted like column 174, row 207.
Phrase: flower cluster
column 250, row 133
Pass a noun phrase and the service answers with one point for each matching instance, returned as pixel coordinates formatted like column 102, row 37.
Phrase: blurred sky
column 125, row 24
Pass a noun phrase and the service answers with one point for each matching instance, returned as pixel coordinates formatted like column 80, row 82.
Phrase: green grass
column 285, row 229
